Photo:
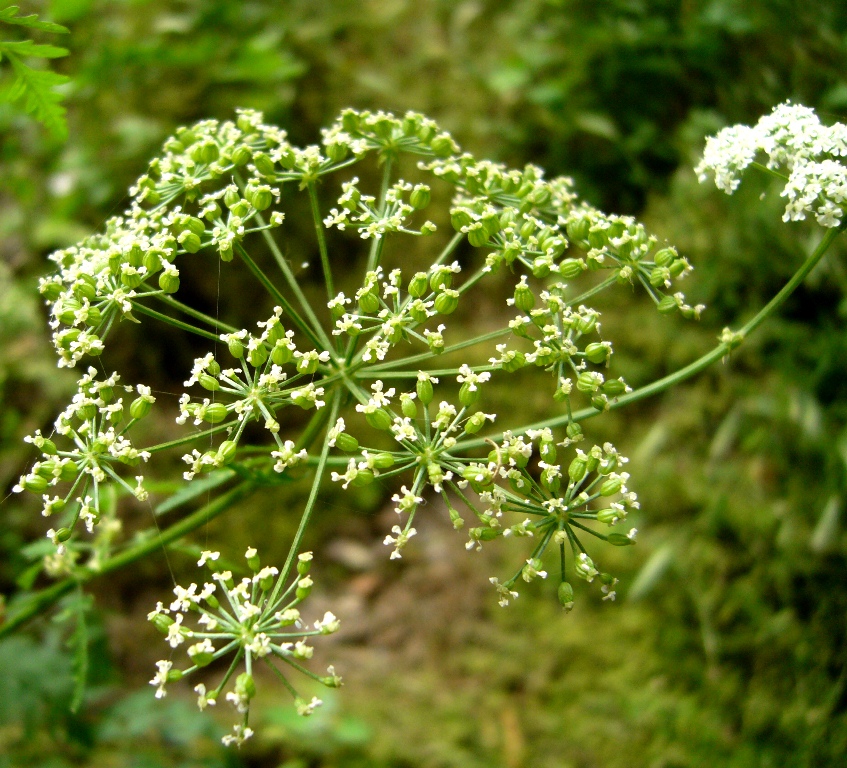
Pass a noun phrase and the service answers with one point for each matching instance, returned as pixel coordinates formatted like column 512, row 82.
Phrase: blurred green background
column 728, row 645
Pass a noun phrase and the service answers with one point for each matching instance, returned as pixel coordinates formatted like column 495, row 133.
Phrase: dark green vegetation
column 730, row 649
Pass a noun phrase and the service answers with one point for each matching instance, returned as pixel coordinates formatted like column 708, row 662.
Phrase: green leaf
column 10, row 16
column 34, row 89
column 193, row 490
column 29, row 48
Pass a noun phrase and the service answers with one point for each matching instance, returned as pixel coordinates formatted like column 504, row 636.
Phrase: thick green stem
column 42, row 600
column 719, row 352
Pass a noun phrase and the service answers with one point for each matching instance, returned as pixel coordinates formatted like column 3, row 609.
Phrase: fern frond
column 10, row 16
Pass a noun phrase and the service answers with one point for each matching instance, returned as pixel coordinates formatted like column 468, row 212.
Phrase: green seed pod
column 578, row 469
column 519, row 484
column 215, row 413
column 236, row 348
column 620, row 540
column 565, row 594
column 658, row 276
column 368, row 303
column 614, row 387
column 84, row 290
column 541, row 267
column 574, row 431
column 382, row 460
column 611, row 486
column 281, row 353
column 571, row 268
column 609, row 516
column 477, row 236
column 363, row 477
column 304, row 563
column 45, row 469
column 551, row 480
column 260, row 197
column 425, row 391
column 441, row 278
column 162, row 622
column 190, row 241
column 417, row 285
column 667, row 305
column 258, row 356
column 409, row 408
column 153, row 261
column 524, row 298
column 459, row 219
column 468, row 396
column 87, row 411
column 587, row 382
column 442, row 145
column 347, row 443
column 677, row 267
column 418, row 311
column 240, row 155
column 139, row 408
column 476, row 423
column 336, row 152
column 264, row 165
column 169, row 282
column 201, row 659
column 45, row 445
column 35, row 483
column 447, row 301
column 420, row 196
column 597, row 237
column 600, row 402
column 547, row 451
column 577, row 229
column 379, row 419
column 597, row 352
column 226, row 451
column 208, row 382
column 484, row 534
column 307, row 364
column 665, row 257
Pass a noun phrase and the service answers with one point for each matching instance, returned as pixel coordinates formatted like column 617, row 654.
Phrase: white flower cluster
column 255, row 619
column 798, row 147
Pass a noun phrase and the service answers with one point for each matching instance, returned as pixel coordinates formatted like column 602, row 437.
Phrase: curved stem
column 42, row 600
column 692, row 369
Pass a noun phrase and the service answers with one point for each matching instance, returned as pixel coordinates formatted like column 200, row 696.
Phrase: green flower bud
column 245, row 687
column 215, row 413
column 447, row 301
column 379, row 419
column 347, row 443
column 420, row 196
column 139, row 408
column 565, row 594
column 417, row 285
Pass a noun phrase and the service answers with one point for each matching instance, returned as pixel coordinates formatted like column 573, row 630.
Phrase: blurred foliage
column 732, row 648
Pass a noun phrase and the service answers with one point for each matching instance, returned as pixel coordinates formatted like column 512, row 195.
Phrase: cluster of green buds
column 255, row 620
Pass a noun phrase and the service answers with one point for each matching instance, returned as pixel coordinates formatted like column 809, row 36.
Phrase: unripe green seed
column 524, row 298
column 35, row 483
column 476, row 423
column 611, row 486
column 208, row 382
column 240, row 155
column 169, row 282
column 379, row 419
column 281, row 353
column 578, row 469
column 548, row 453
column 484, row 534
column 260, row 197
column 336, row 152
column 368, row 303
column 619, row 540
column 614, row 387
column 420, row 196
column 664, row 257
column 468, row 396
column 264, row 165
column 363, row 478
column 347, row 443
column 425, row 391
column 190, row 241
column 409, row 408
column 226, row 451
column 245, row 686
column 383, row 460
column 574, row 431
column 667, row 305
column 447, row 302
column 417, row 285
column 477, row 236
column 258, row 356
column 139, row 408
column 215, row 413
column 236, row 348
column 565, row 594
column 597, row 352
